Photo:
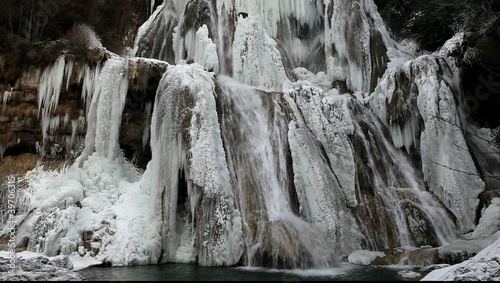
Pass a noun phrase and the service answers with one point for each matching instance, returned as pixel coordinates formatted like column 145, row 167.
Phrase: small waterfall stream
column 399, row 185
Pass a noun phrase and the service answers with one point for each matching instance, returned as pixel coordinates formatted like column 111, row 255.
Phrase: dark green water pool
column 191, row 272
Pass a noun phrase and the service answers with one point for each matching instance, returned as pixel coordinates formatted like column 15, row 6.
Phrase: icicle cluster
column 53, row 80
column 306, row 12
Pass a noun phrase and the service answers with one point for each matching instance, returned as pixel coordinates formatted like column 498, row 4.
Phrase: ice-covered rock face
column 356, row 42
column 345, row 154
column 417, row 102
column 154, row 38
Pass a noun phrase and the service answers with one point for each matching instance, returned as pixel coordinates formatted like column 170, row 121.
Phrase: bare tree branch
column 465, row 172
column 464, row 130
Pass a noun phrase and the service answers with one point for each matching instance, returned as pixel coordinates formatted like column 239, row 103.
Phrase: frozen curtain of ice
column 273, row 166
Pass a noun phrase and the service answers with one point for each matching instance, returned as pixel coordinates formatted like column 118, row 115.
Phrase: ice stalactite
column 49, row 91
column 56, row 79
column 306, row 12
column 152, row 6
column 89, row 76
column 198, row 48
column 188, row 175
column 352, row 54
column 6, row 97
column 50, row 86
column 105, row 112
column 359, row 60
column 395, row 104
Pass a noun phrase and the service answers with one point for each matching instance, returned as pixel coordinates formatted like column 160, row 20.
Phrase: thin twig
column 465, row 172
column 464, row 130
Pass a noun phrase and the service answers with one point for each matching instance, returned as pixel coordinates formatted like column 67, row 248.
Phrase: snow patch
column 364, row 257
column 485, row 266
column 489, row 223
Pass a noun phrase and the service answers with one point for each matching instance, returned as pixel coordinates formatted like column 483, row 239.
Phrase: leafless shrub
column 479, row 17
column 82, row 39
column 470, row 55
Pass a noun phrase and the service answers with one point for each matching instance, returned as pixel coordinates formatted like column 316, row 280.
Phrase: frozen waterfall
column 283, row 134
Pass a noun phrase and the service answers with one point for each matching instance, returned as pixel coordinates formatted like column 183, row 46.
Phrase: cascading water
column 224, row 40
column 276, row 236
column 383, row 183
column 399, row 185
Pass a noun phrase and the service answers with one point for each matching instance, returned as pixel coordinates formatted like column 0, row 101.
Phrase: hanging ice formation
column 54, row 80
column 278, row 139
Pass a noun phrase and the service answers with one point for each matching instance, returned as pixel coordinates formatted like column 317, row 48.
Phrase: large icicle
column 49, row 90
column 395, row 103
column 348, row 18
column 6, row 97
column 50, row 87
column 198, row 47
column 358, row 45
column 89, row 75
column 188, row 167
column 104, row 117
